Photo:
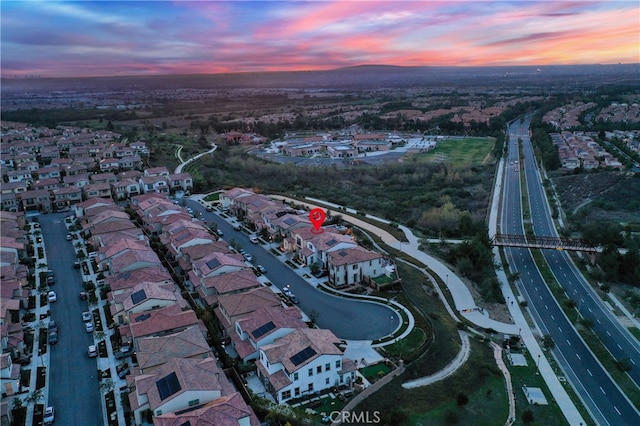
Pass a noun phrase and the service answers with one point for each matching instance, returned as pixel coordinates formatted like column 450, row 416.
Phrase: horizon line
column 40, row 77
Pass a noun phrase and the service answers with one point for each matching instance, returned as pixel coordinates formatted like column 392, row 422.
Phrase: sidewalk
column 451, row 368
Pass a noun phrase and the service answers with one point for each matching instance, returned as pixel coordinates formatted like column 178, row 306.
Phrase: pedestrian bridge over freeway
column 532, row 241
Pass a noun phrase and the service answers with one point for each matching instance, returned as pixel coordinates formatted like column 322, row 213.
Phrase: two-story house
column 303, row 362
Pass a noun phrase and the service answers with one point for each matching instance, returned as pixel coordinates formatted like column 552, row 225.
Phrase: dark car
column 53, row 337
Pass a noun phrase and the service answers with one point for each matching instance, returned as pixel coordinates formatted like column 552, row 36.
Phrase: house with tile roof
column 143, row 297
column 210, row 288
column 152, row 352
column 232, row 307
column 230, row 410
column 262, row 327
column 312, row 247
column 349, row 266
column 170, row 319
column 218, row 263
column 177, row 385
column 305, row 361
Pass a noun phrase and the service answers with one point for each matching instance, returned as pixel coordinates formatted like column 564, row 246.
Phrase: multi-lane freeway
column 607, row 404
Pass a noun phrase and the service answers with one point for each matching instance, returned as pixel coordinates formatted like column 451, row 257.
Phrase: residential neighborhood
column 151, row 267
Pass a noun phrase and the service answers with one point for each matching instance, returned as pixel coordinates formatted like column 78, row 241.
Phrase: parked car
column 237, row 226
column 51, row 296
column 53, row 326
column 69, row 237
column 83, row 295
column 248, row 257
column 124, row 352
column 92, row 351
column 49, row 416
column 53, row 337
column 86, row 316
column 88, row 326
column 254, row 239
column 220, row 233
column 23, row 360
column 294, row 298
column 51, row 280
column 76, row 265
column 262, row 269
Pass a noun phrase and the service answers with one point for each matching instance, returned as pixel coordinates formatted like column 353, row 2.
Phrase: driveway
column 73, row 386
column 348, row 319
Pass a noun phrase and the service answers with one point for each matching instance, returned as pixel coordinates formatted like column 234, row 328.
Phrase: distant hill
column 356, row 77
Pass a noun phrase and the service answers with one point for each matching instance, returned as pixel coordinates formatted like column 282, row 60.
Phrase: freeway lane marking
column 560, row 329
column 634, row 363
column 602, row 390
column 568, row 342
column 608, row 334
column 599, row 322
column 552, row 318
column 546, row 307
column 619, row 346
column 618, row 411
column 589, row 371
column 579, row 357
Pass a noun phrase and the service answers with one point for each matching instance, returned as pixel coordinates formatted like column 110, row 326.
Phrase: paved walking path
column 462, row 298
column 451, row 368
column 192, row 159
column 497, row 354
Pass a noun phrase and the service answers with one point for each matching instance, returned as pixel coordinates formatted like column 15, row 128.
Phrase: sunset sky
column 81, row 38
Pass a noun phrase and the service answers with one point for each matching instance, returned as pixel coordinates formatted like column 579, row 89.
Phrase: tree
column 34, row 397
column 547, row 342
column 462, row 399
column 527, row 416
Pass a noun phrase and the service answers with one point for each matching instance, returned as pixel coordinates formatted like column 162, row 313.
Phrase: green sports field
column 467, row 151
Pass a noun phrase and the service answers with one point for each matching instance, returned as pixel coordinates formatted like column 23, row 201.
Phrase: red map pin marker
column 317, row 217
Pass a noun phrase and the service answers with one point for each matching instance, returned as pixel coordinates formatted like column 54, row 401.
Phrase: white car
column 89, row 327
column 92, row 351
column 86, row 316
column 248, row 257
column 52, row 296
column 253, row 239
column 49, row 415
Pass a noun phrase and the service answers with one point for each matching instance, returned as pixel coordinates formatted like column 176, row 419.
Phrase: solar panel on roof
column 331, row 242
column 343, row 253
column 303, row 355
column 213, row 263
column 289, row 221
column 263, row 329
column 138, row 296
column 168, row 385
column 142, row 317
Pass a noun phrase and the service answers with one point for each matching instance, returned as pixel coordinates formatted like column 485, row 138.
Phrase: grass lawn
column 372, row 372
column 409, row 344
column 486, row 406
column 429, row 404
column 212, row 197
column 542, row 414
column 468, row 151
